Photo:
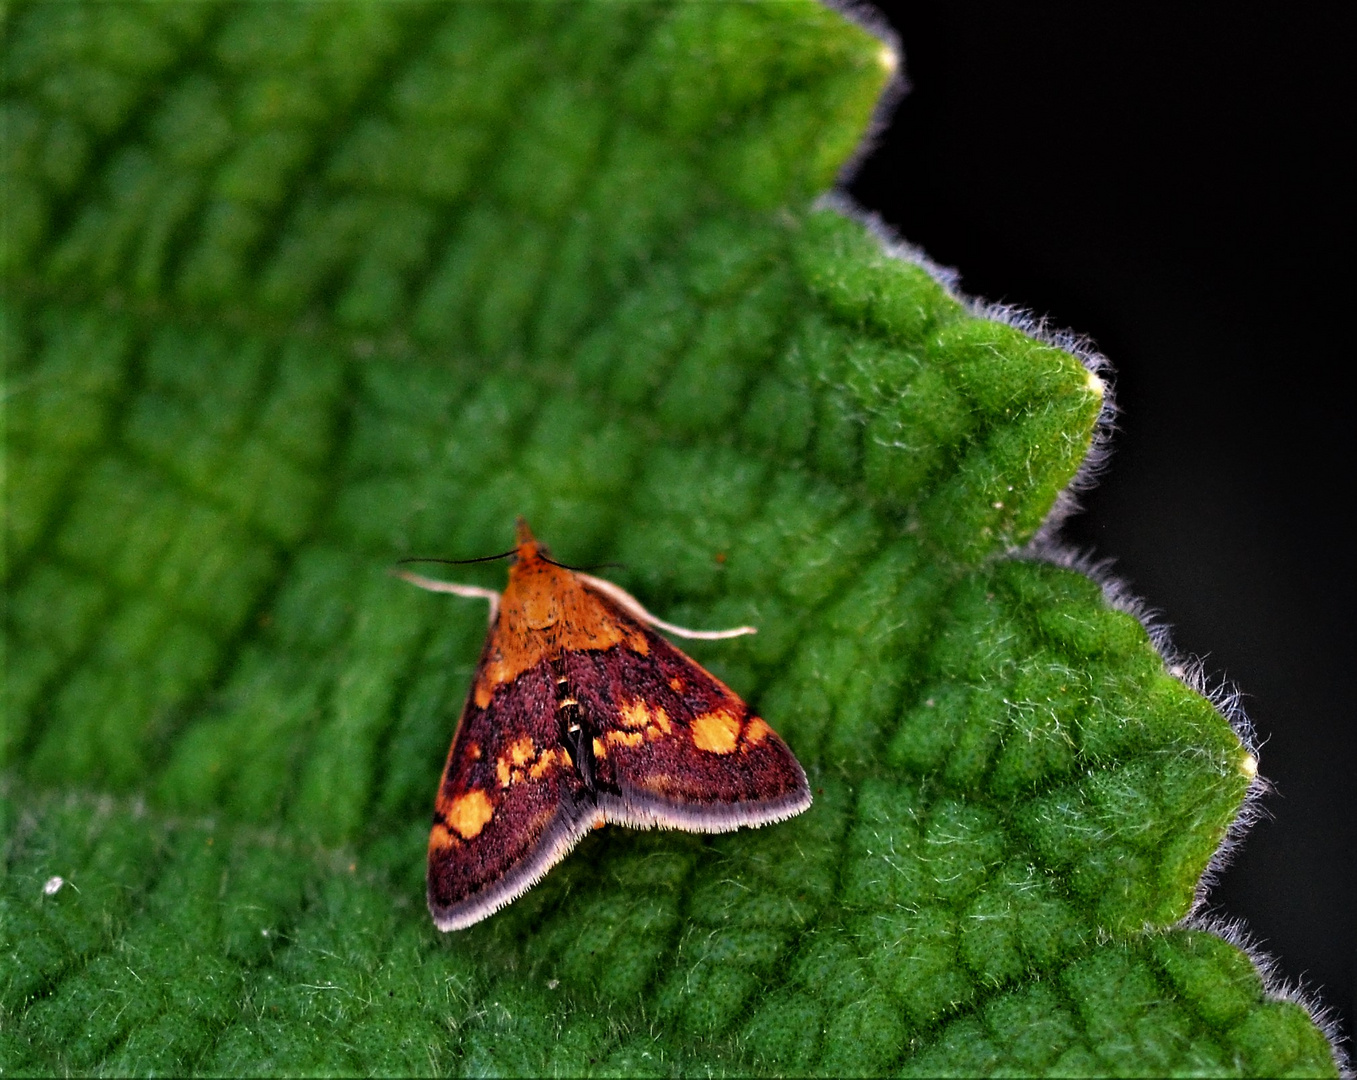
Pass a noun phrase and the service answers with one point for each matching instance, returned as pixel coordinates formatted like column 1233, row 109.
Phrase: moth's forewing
column 509, row 806
column 678, row 748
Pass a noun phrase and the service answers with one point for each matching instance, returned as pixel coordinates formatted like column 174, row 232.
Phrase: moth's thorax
column 533, row 600
column 546, row 610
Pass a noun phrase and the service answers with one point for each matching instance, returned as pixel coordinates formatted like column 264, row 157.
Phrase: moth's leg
column 632, row 606
column 472, row 592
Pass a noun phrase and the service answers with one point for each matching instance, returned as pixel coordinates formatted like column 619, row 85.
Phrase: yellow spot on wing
column 439, row 838
column 716, row 732
column 626, row 738
column 599, row 749
column 635, row 714
column 756, row 731
column 548, row 762
column 467, row 814
column 522, row 751
column 676, row 684
column 502, row 772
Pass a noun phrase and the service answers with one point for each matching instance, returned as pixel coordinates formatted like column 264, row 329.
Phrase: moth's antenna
column 584, row 569
column 461, row 562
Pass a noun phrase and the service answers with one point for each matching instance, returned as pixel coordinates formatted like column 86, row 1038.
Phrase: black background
column 1169, row 184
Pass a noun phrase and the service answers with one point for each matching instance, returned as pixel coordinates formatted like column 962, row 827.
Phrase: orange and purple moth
column 580, row 714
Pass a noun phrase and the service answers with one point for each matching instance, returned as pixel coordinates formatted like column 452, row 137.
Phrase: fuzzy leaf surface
column 292, row 292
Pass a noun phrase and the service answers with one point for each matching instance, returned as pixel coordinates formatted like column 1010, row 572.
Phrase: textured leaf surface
column 291, row 292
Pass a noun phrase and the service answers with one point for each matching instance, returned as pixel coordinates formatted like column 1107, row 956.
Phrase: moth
column 581, row 714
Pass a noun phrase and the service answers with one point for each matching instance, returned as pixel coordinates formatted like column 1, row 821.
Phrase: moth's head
column 527, row 549
column 532, row 598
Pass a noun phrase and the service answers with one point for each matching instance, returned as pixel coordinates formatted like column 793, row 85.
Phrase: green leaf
column 293, row 291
